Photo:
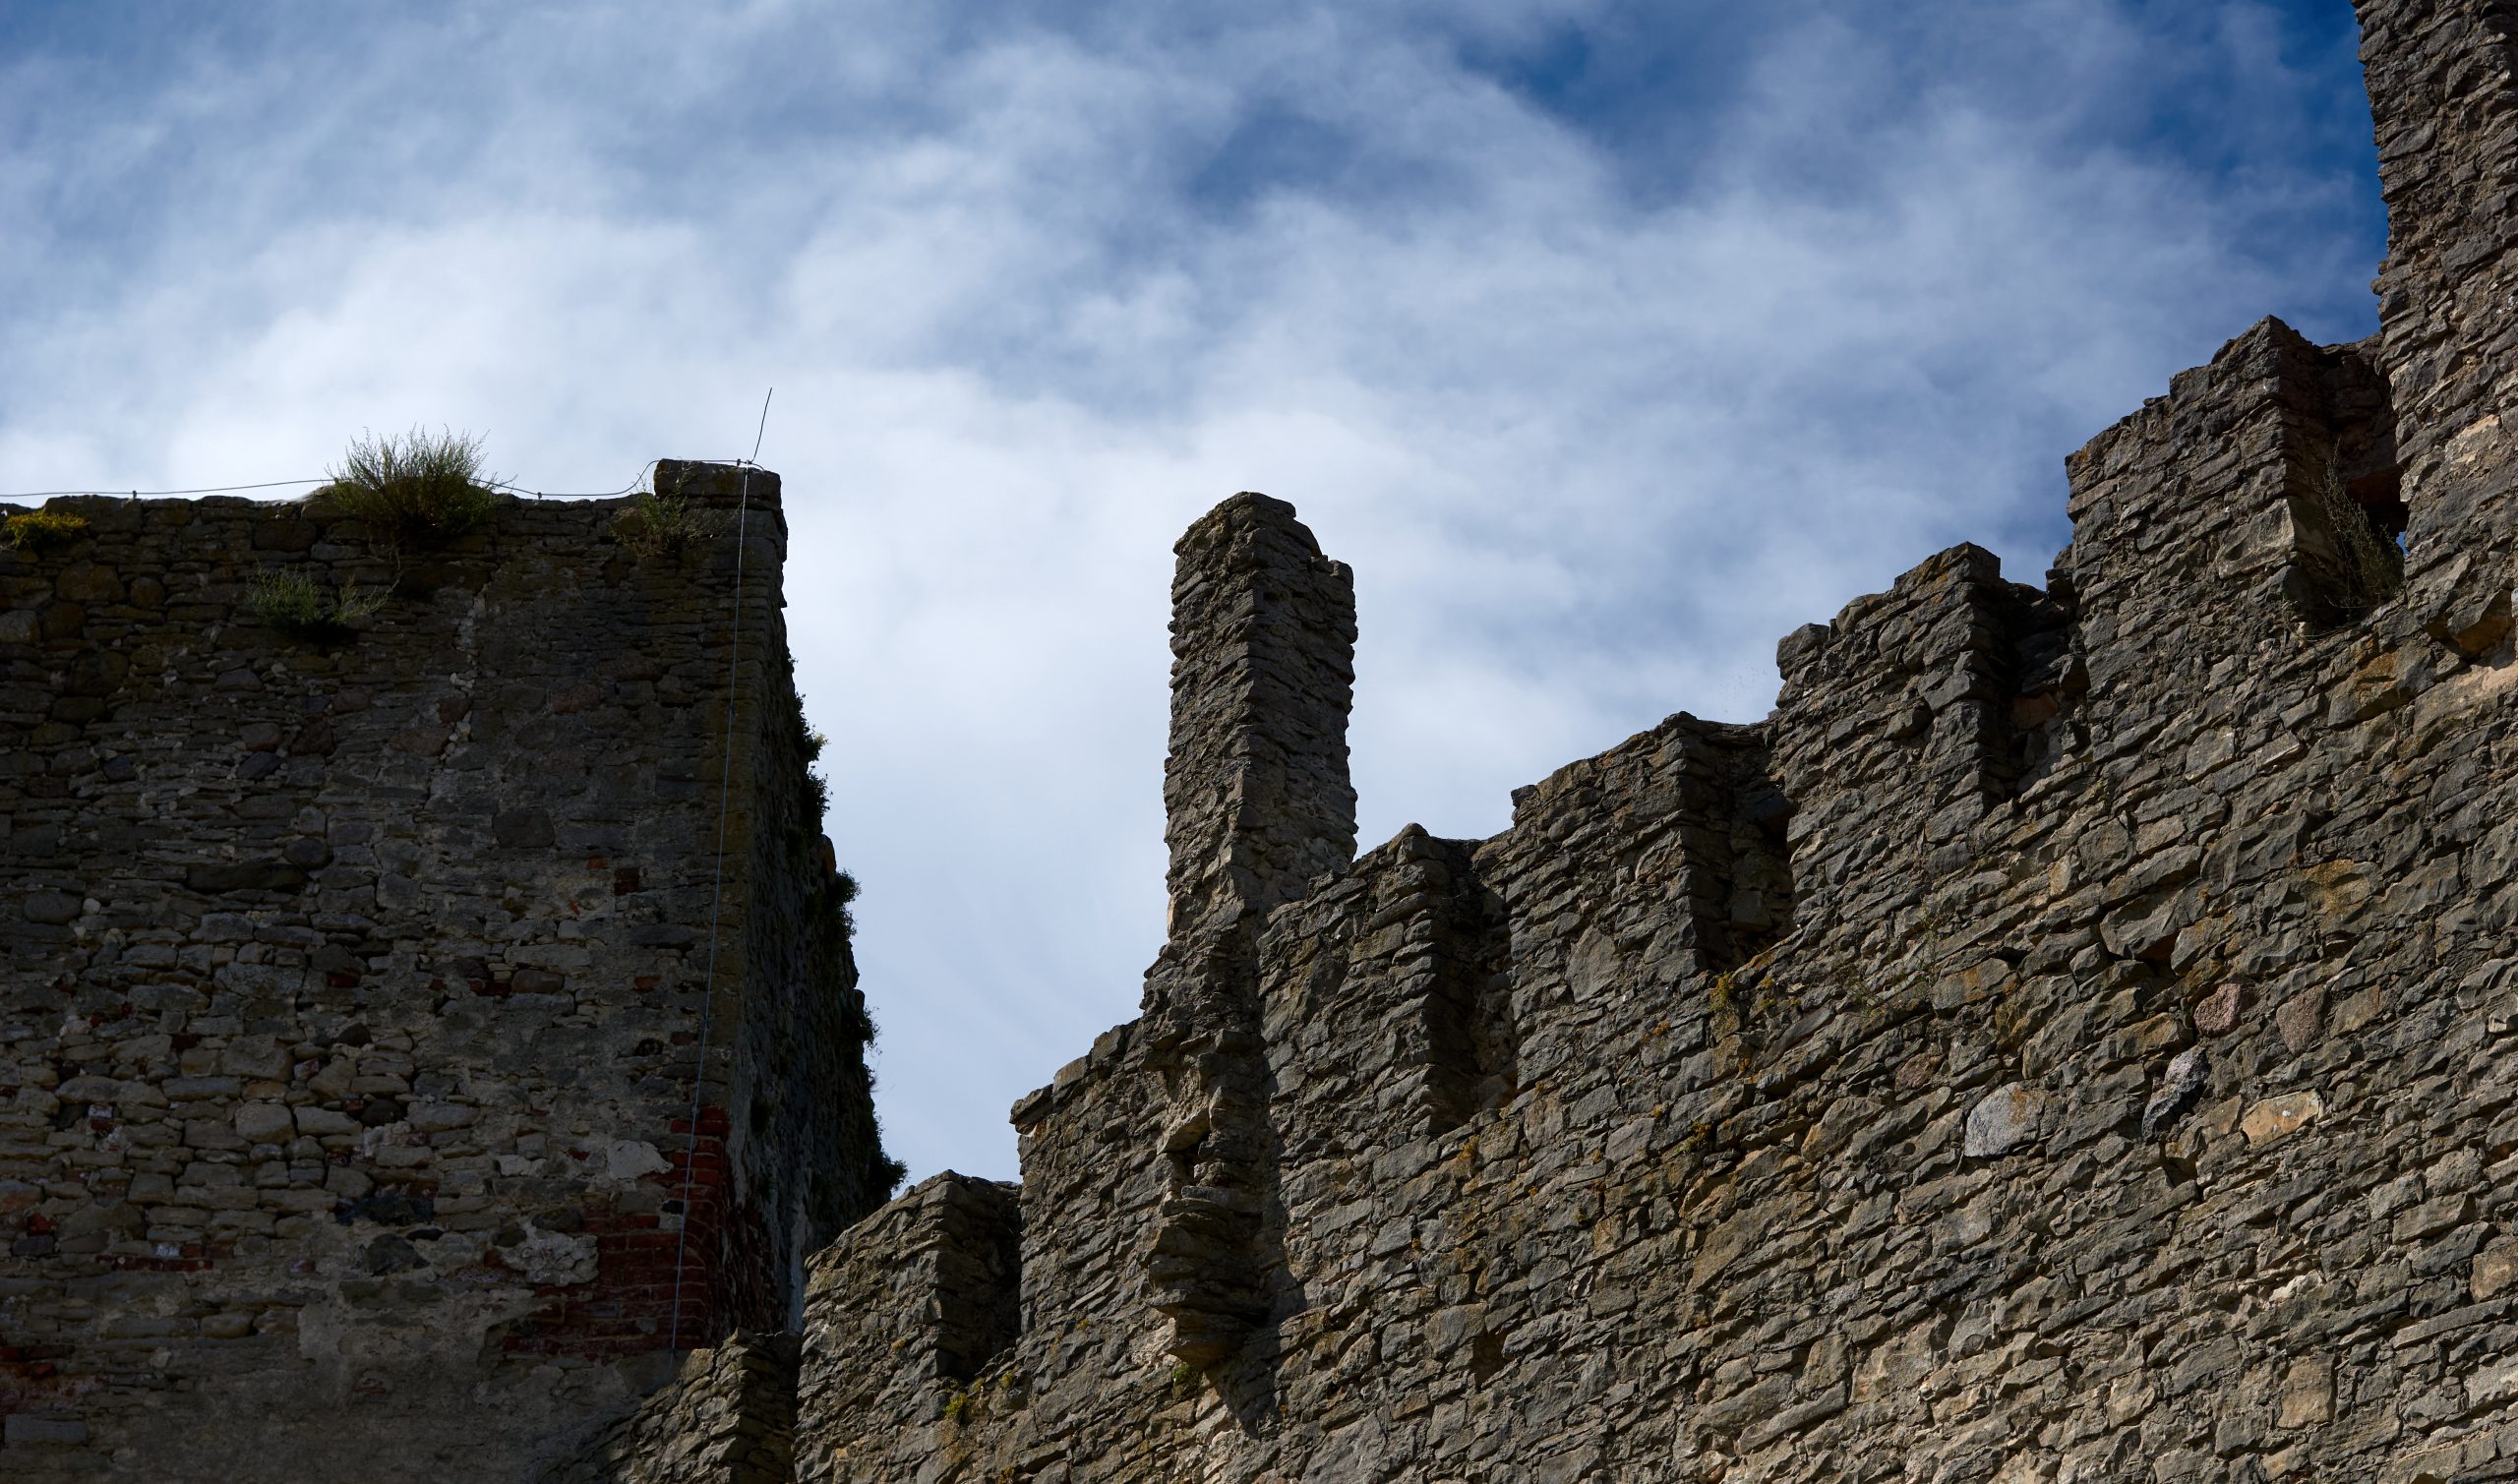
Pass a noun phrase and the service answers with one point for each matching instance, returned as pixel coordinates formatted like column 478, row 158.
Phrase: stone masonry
column 2074, row 1038
column 354, row 995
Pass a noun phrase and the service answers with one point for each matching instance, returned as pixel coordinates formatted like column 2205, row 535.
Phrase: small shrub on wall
column 41, row 530
column 420, row 491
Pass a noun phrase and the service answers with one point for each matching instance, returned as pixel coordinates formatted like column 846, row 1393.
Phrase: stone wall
column 2443, row 90
column 945, row 1259
column 729, row 1417
column 2069, row 1039
column 354, row 988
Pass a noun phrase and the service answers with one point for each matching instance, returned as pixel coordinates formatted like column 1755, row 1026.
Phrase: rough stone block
column 2277, row 1118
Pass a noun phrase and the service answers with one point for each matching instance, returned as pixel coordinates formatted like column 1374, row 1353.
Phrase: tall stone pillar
column 2444, row 93
column 1255, row 794
column 1257, row 805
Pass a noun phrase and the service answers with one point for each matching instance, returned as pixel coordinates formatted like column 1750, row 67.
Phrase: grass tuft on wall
column 302, row 608
column 420, row 491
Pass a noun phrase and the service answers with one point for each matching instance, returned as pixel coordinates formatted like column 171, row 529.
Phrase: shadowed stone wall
column 728, row 1417
column 352, row 993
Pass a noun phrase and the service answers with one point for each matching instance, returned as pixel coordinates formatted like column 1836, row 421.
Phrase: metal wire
column 283, row 484
column 717, row 886
column 274, row 484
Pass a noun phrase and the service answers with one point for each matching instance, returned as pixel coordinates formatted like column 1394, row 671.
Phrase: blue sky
column 1608, row 341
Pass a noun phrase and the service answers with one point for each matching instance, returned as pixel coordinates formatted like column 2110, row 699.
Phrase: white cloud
column 1595, row 428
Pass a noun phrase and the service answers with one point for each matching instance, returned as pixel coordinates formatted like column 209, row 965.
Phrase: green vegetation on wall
column 420, row 491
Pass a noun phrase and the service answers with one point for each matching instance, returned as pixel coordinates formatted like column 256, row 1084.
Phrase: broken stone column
column 1255, row 794
column 1257, row 805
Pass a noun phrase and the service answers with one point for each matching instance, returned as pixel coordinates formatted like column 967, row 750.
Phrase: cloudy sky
column 1607, row 340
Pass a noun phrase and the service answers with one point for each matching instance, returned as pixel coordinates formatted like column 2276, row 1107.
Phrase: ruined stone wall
column 2443, row 90
column 353, row 992
column 2071, row 1040
column 945, row 1259
column 728, row 1417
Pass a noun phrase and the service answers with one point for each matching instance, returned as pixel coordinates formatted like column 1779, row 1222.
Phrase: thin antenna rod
column 763, row 430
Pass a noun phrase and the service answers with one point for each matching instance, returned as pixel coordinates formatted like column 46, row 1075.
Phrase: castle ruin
column 2069, row 1039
